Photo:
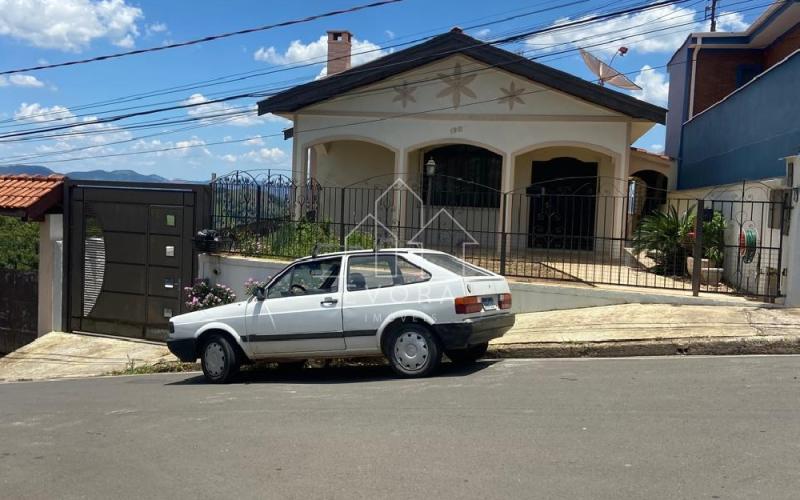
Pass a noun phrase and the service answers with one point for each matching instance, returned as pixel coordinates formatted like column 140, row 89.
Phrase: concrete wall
column 743, row 205
column 233, row 271
column 745, row 136
column 51, row 235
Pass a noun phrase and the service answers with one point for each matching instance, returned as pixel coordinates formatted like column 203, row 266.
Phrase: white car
column 409, row 305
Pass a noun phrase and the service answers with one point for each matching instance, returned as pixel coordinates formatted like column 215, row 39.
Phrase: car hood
column 212, row 314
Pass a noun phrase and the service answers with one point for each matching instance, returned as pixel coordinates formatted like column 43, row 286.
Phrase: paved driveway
column 692, row 427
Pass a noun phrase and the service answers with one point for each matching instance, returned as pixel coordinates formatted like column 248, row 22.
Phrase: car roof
column 367, row 252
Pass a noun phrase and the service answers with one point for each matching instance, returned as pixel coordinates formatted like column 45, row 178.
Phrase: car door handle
column 327, row 301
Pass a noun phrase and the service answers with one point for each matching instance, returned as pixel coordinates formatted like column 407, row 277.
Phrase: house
column 26, row 310
column 498, row 127
column 733, row 106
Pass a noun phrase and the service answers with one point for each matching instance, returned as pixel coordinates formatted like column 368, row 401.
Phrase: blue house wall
column 744, row 136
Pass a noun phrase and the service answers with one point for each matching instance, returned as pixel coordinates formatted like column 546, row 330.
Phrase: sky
column 50, row 31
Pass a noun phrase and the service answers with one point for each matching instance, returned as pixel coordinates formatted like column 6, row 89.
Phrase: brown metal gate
column 130, row 255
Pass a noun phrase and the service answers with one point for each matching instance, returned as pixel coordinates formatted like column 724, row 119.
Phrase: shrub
column 202, row 295
column 665, row 234
column 251, row 284
column 713, row 237
column 19, row 244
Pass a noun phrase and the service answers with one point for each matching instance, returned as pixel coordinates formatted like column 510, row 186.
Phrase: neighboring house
column 492, row 121
column 734, row 111
column 36, row 199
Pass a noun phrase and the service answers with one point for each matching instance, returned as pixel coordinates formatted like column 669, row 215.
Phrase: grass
column 161, row 367
column 178, row 367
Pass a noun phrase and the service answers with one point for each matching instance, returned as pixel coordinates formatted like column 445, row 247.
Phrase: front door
column 302, row 311
column 562, row 204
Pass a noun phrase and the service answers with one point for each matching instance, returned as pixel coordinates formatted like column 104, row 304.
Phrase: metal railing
column 538, row 234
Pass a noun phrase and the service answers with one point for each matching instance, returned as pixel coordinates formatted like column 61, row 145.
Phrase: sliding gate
column 130, row 255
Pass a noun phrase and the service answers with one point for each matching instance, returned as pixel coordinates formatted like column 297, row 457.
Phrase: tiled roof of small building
column 29, row 196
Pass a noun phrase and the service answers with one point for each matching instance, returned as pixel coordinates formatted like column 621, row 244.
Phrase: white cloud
column 25, row 81
column 673, row 22
column 21, row 81
column 35, row 112
column 363, row 51
column 255, row 141
column 657, row 148
column 655, row 86
column 482, row 34
column 390, row 34
column 156, row 28
column 273, row 156
column 228, row 158
column 247, row 119
column 69, row 25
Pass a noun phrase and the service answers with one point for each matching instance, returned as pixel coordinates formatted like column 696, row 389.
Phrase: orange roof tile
column 29, row 196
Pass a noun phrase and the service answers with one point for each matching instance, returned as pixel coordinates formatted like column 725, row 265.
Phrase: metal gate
column 130, row 255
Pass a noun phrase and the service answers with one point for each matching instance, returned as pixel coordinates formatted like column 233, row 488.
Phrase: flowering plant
column 203, row 295
column 251, row 284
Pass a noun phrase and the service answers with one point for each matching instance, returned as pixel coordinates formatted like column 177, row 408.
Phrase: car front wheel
column 218, row 360
column 413, row 351
column 469, row 355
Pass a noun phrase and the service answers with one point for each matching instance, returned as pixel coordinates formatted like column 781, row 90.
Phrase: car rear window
column 453, row 264
column 378, row 271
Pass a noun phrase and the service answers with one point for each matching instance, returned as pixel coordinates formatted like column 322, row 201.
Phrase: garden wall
column 233, row 270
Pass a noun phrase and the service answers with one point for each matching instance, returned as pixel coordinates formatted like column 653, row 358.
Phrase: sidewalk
column 651, row 330
column 619, row 330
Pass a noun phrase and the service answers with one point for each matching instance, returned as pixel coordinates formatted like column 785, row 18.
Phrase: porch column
column 506, row 200
column 400, row 198
column 620, row 193
column 312, row 162
column 299, row 168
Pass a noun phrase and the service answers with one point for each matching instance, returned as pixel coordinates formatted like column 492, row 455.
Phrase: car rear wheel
column 219, row 360
column 413, row 351
column 469, row 355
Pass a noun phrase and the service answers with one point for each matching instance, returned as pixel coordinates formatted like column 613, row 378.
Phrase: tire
column 219, row 360
column 413, row 351
column 469, row 355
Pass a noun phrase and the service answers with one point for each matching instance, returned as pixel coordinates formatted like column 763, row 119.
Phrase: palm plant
column 664, row 235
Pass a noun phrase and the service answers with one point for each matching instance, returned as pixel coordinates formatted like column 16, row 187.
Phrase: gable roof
column 29, row 196
column 446, row 45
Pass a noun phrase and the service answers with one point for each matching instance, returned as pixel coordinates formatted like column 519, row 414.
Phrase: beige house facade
column 493, row 122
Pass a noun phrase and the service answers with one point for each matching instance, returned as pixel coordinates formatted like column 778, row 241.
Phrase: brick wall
column 782, row 47
column 716, row 74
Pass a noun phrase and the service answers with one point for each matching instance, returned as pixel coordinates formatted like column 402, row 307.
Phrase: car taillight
column 504, row 301
column 467, row 305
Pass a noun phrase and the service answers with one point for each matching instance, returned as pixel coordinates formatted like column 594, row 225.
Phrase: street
column 677, row 427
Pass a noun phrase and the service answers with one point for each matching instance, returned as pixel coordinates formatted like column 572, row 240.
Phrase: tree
column 19, row 244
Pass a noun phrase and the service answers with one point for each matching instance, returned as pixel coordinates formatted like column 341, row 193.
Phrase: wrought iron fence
column 590, row 237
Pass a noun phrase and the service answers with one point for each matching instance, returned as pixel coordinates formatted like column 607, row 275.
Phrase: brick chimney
column 339, row 44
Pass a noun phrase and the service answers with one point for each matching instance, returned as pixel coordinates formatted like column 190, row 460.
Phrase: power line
column 224, row 79
column 204, row 117
column 578, row 22
column 209, row 38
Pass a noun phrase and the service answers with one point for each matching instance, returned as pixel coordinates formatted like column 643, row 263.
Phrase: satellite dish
column 606, row 74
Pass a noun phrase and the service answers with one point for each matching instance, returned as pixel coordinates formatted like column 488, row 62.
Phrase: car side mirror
column 260, row 293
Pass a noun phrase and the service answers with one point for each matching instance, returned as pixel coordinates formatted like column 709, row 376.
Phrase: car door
column 302, row 311
column 377, row 286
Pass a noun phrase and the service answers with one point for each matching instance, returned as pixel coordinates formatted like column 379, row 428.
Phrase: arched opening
column 464, row 176
column 647, row 193
column 350, row 162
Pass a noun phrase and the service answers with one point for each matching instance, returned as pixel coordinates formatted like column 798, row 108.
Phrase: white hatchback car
column 409, row 305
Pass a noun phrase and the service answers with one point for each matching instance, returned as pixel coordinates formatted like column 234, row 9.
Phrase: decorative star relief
column 405, row 93
column 511, row 95
column 456, row 85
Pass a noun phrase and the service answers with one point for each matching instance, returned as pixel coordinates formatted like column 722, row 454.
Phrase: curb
column 766, row 344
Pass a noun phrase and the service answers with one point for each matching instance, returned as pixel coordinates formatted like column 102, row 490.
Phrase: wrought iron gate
column 130, row 254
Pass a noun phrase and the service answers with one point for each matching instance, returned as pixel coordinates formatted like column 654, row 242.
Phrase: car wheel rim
column 411, row 352
column 214, row 359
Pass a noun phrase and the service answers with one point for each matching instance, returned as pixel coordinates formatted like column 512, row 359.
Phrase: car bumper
column 474, row 331
column 183, row 349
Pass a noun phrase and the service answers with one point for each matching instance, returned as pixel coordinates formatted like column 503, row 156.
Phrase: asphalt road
column 692, row 427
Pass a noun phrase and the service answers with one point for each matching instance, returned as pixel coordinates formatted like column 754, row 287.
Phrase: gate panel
column 130, row 254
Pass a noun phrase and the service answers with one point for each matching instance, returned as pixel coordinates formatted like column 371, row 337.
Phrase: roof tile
column 23, row 192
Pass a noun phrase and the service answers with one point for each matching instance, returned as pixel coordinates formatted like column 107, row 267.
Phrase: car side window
column 367, row 272
column 307, row 278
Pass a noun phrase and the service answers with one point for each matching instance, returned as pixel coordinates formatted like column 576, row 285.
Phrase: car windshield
column 453, row 264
